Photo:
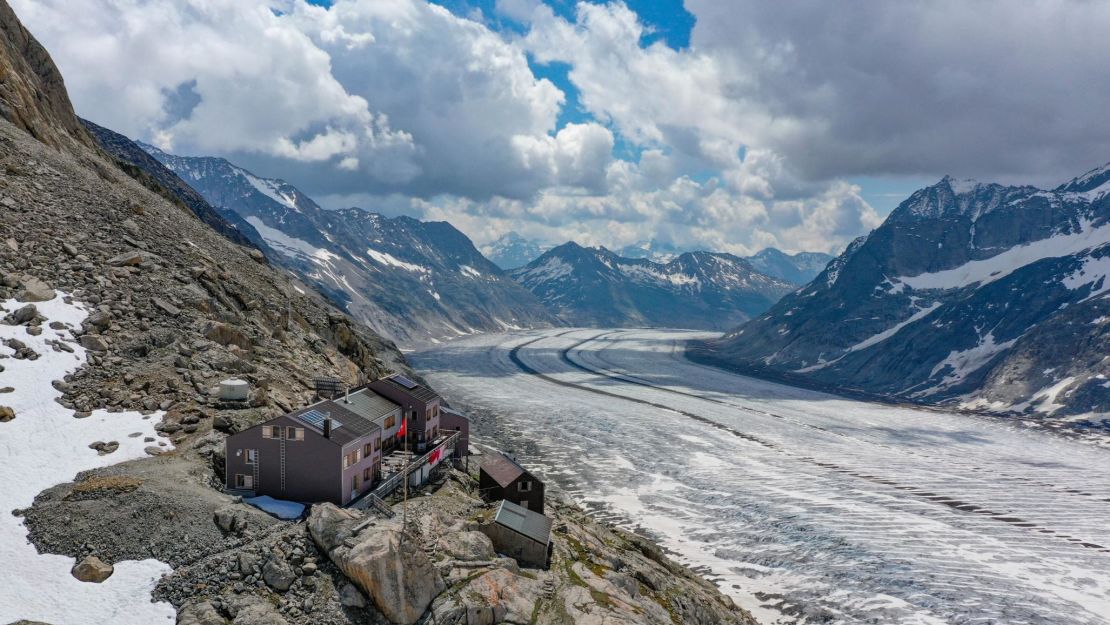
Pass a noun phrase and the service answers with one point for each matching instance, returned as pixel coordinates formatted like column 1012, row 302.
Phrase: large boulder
column 31, row 289
column 390, row 568
column 468, row 546
column 230, row 519
column 253, row 610
column 21, row 315
column 278, row 574
column 92, row 569
column 201, row 613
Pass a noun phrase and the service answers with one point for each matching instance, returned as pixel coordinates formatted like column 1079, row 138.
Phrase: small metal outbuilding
column 521, row 534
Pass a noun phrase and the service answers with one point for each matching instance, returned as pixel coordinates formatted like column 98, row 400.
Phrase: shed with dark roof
column 503, row 478
column 521, row 534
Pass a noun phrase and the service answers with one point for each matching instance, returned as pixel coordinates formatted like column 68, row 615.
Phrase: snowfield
column 43, row 446
column 804, row 507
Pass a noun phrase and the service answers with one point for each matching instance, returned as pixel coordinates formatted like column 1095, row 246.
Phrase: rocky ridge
column 797, row 268
column 410, row 280
column 701, row 290
column 979, row 296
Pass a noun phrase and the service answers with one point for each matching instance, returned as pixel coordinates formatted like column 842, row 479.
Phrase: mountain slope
column 990, row 296
column 797, row 268
column 33, row 96
column 156, row 176
column 595, row 287
column 412, row 281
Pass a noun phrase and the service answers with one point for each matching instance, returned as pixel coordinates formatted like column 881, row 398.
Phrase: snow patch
column 278, row 507
column 1092, row 270
column 270, row 189
column 1001, row 265
column 382, row 258
column 886, row 334
column 287, row 245
column 1047, row 396
column 551, row 269
column 43, row 446
column 960, row 364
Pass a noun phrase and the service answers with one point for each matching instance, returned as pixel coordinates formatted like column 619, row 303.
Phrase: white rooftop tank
column 235, row 390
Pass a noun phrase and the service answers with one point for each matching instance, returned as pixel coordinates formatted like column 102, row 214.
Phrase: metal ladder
column 281, row 462
column 257, row 461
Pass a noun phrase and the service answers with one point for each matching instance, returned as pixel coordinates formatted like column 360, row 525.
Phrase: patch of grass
column 106, row 484
column 581, row 554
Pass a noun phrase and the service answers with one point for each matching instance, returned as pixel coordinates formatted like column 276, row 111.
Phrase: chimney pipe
column 327, row 427
column 347, row 394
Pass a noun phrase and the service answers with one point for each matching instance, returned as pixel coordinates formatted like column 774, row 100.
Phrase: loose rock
column 92, row 569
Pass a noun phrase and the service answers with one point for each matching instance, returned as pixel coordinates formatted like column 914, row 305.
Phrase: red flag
column 404, row 427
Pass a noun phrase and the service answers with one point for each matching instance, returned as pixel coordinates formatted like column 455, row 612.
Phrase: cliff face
column 32, row 93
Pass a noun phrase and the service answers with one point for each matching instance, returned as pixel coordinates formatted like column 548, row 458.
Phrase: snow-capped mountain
column 653, row 250
column 595, row 287
column 511, row 250
column 412, row 281
column 797, row 268
column 994, row 297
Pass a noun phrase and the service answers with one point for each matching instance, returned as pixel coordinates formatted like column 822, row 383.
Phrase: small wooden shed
column 502, row 477
column 521, row 534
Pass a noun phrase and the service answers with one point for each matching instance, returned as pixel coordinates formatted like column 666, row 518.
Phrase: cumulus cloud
column 854, row 88
column 740, row 140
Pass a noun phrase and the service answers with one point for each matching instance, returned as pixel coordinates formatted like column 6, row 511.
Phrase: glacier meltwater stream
column 802, row 506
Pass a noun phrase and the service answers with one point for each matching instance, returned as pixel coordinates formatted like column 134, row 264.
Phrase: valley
column 803, row 506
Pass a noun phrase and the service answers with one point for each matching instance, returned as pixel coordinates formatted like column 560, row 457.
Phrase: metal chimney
column 327, row 427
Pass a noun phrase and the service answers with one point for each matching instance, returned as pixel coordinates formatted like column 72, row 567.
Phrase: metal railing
column 394, row 481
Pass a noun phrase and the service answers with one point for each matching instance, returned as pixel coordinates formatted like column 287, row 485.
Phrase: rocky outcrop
column 497, row 596
column 200, row 613
column 32, row 93
column 388, row 566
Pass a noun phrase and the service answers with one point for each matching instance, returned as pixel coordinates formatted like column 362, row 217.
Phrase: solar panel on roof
column 315, row 418
column 405, row 382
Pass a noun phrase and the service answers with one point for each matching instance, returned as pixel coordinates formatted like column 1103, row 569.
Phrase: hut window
column 294, row 434
column 525, row 486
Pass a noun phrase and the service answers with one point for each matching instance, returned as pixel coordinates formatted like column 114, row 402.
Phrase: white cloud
column 400, row 105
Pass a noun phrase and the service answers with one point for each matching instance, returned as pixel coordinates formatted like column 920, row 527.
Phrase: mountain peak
column 960, row 186
column 1096, row 180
